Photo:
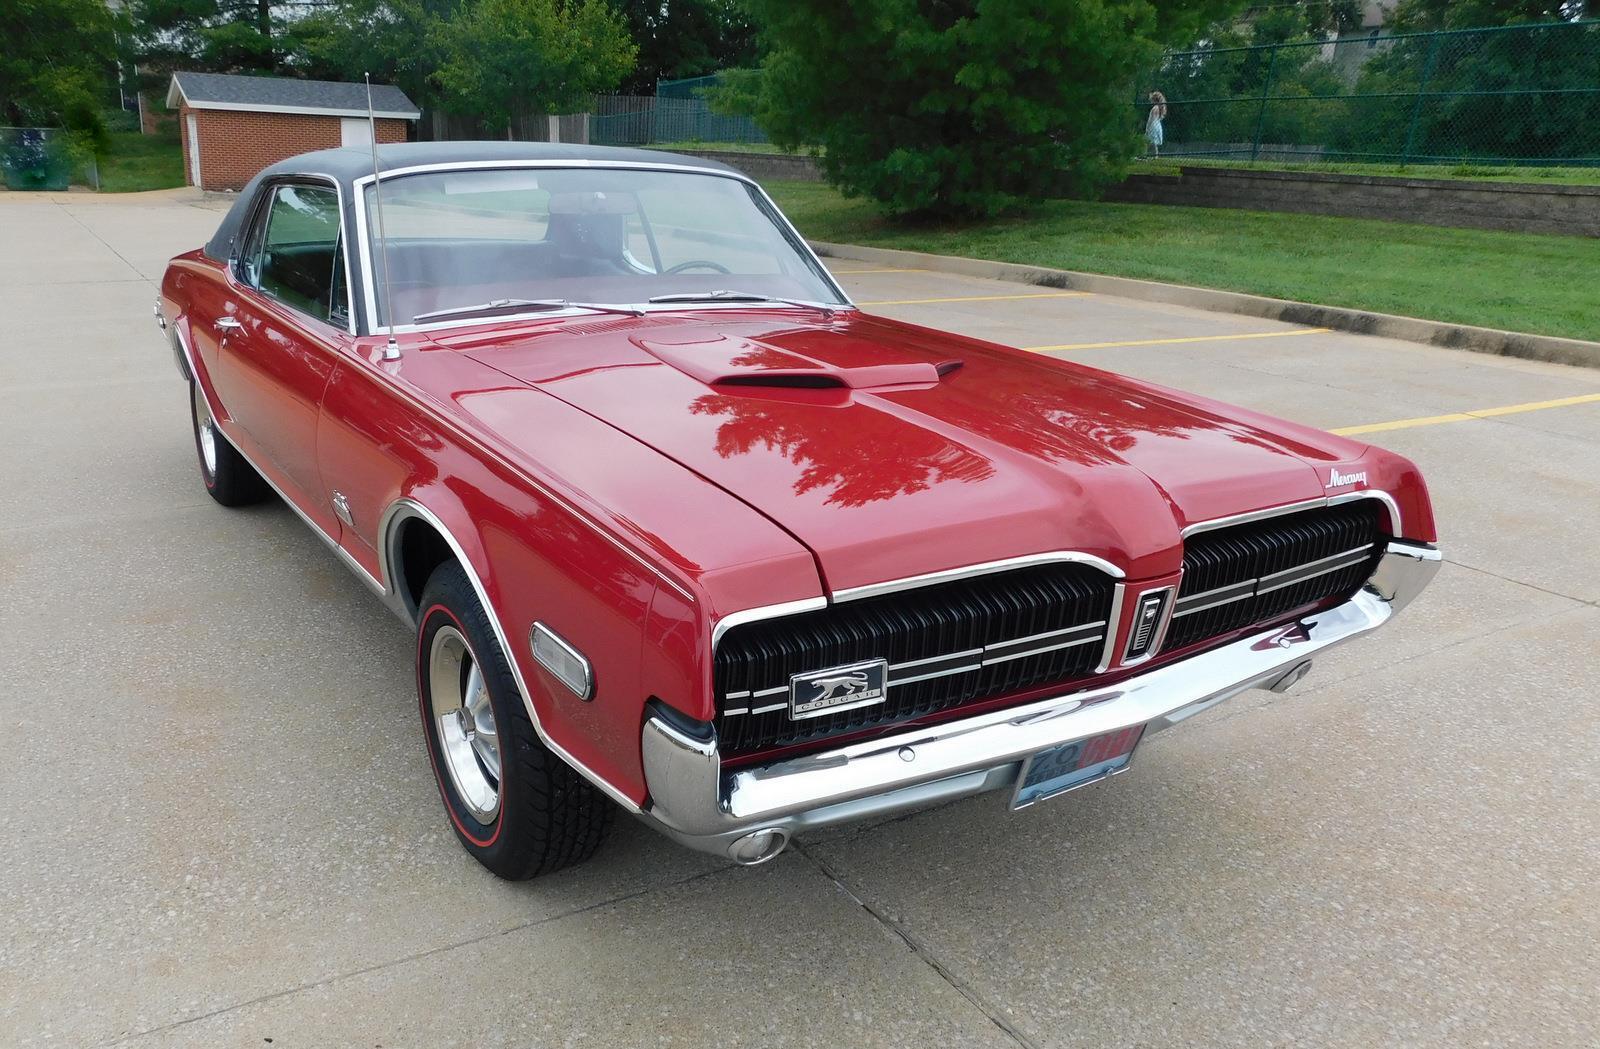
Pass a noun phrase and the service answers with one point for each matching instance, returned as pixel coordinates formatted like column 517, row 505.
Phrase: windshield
column 461, row 239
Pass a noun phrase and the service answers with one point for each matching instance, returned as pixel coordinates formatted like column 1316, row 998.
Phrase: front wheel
column 517, row 808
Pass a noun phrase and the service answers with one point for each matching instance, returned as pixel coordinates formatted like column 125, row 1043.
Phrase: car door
column 289, row 325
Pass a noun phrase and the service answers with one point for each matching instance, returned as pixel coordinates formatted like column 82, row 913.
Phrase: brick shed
column 233, row 126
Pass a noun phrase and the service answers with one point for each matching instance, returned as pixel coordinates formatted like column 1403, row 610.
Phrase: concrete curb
column 1362, row 322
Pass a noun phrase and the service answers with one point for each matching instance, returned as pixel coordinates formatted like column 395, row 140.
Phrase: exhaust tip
column 1292, row 677
column 758, row 846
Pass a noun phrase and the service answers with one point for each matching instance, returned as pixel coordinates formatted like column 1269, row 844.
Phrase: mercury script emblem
column 838, row 688
column 1335, row 478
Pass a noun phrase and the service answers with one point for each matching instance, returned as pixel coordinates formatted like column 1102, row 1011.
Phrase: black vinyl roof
column 276, row 93
column 349, row 163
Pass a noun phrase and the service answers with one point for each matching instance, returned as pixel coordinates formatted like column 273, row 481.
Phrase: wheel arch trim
column 389, row 530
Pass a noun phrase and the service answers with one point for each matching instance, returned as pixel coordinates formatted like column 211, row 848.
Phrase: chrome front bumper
column 750, row 813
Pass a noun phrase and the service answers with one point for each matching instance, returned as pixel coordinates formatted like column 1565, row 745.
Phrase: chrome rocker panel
column 750, row 813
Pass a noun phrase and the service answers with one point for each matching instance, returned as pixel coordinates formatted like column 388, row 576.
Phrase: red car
column 683, row 532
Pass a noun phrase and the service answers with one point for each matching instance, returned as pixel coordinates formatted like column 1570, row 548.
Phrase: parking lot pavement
column 218, row 826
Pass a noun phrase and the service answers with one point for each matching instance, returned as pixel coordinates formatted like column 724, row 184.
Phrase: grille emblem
column 1146, row 620
column 822, row 692
column 1337, row 479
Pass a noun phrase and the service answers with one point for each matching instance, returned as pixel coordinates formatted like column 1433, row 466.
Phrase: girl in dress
column 1152, row 124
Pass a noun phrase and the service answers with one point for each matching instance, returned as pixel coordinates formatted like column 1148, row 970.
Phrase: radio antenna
column 391, row 351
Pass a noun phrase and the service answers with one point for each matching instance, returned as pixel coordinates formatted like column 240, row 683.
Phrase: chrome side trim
column 890, row 586
column 350, row 562
column 344, row 555
column 701, row 805
column 187, row 355
column 753, row 615
column 1304, row 504
column 411, row 508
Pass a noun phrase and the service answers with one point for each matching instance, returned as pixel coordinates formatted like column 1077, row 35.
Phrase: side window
column 296, row 255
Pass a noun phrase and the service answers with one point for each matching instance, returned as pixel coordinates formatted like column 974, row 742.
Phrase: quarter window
column 296, row 256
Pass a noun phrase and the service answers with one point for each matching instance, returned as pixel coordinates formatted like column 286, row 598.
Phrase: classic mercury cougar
column 683, row 532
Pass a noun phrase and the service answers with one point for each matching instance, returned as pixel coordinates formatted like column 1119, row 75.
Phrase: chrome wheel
column 464, row 719
column 205, row 429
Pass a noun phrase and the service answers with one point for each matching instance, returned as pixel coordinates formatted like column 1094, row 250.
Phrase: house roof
column 271, row 94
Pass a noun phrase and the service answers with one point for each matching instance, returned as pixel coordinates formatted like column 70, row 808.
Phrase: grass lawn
column 135, row 162
column 1516, row 281
column 1589, row 176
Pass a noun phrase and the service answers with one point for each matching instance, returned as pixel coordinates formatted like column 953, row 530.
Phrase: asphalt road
column 218, row 827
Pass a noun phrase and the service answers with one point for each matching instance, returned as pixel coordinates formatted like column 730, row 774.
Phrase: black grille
column 1252, row 573
column 914, row 626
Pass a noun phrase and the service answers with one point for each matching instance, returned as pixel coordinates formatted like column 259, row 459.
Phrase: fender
column 396, row 514
column 406, row 508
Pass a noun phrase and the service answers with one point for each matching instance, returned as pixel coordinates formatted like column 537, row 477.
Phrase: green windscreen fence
column 677, row 112
column 1523, row 95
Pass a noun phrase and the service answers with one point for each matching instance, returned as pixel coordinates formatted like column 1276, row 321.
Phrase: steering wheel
column 681, row 267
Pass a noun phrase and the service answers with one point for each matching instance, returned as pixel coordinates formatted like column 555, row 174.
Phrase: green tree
column 217, row 36
column 400, row 42
column 1422, row 15
column 542, row 56
column 686, row 38
column 58, row 63
column 964, row 106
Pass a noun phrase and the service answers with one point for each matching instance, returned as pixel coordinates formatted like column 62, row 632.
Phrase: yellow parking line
column 1461, row 417
column 1169, row 342
column 975, row 298
column 886, row 269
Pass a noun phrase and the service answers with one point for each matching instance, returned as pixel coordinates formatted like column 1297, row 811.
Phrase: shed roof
column 271, row 94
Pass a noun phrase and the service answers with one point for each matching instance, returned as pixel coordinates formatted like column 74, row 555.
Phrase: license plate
column 1072, row 765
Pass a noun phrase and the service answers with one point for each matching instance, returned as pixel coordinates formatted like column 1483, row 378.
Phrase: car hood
column 891, row 450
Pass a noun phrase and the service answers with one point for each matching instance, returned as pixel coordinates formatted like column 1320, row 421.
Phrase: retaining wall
column 1523, row 207
column 762, row 166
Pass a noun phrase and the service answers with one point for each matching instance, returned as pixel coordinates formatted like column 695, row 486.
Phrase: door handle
column 228, row 324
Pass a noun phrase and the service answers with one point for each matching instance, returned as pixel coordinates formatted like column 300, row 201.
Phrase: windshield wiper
column 741, row 296
column 524, row 305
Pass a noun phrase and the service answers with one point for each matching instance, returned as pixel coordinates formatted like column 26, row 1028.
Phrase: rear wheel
column 516, row 807
column 228, row 477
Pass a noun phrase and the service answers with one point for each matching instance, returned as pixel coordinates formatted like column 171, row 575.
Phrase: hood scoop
column 739, row 362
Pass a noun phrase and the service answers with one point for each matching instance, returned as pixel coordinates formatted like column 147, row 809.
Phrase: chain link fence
column 679, row 111
column 1516, row 95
